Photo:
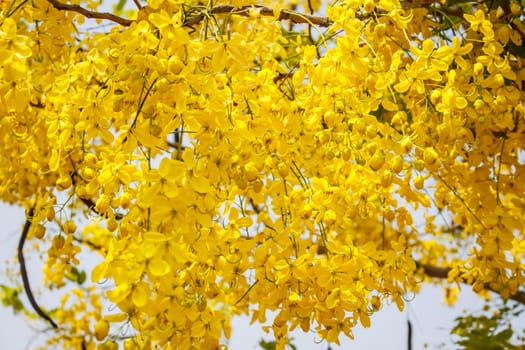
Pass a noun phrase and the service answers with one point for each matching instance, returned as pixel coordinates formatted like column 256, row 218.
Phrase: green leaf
column 378, row 113
column 491, row 331
column 119, row 7
column 76, row 276
column 10, row 297
column 271, row 345
column 267, row 345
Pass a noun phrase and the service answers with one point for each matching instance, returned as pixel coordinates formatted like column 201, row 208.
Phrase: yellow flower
column 13, row 45
column 101, row 329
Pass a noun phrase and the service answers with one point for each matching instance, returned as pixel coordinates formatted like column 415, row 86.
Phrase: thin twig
column 137, row 3
column 87, row 201
column 142, row 101
column 310, row 7
column 454, row 191
column 498, row 201
column 90, row 14
column 246, row 293
column 88, row 243
column 23, row 270
column 175, row 145
column 518, row 29
column 90, row 204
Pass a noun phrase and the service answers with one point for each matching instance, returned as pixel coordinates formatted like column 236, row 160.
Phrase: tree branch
column 294, row 16
column 88, row 243
column 442, row 272
column 89, row 203
column 90, row 14
column 23, row 270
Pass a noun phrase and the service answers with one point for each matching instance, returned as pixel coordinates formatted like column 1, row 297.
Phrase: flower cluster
column 231, row 161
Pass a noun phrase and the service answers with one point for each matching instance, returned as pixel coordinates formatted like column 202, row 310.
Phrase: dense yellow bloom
column 253, row 160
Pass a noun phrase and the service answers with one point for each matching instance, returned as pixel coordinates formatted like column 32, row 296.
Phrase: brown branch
column 294, row 16
column 37, row 104
column 281, row 76
column 90, row 14
column 516, row 28
column 23, row 270
column 175, row 145
column 137, row 3
column 141, row 103
column 88, row 243
column 442, row 272
column 88, row 202
column 409, row 335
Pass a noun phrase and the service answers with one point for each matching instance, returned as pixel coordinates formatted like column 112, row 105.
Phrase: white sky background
column 431, row 319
